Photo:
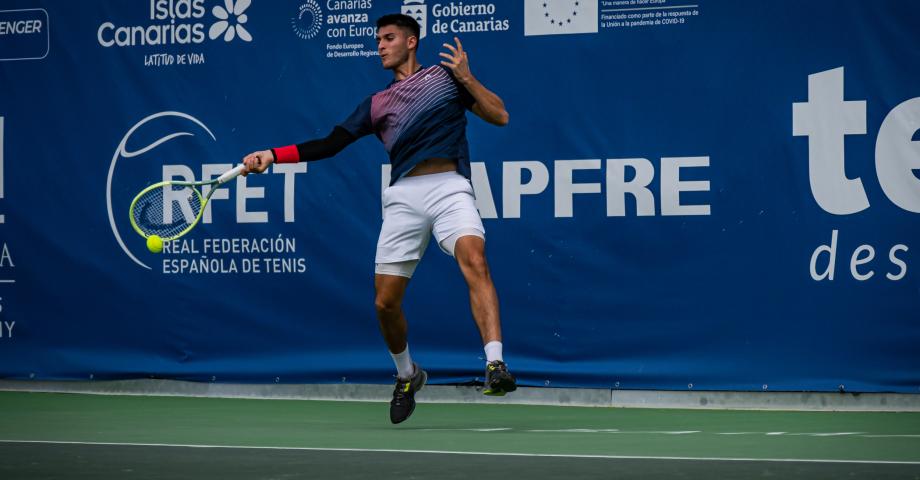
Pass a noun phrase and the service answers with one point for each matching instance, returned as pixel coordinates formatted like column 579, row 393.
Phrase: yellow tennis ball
column 155, row 244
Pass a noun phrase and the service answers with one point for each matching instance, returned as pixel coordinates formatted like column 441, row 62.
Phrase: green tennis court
column 47, row 435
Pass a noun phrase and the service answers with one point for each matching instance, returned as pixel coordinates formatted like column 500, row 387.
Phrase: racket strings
column 154, row 217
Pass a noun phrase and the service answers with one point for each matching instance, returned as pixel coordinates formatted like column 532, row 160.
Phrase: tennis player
column 421, row 119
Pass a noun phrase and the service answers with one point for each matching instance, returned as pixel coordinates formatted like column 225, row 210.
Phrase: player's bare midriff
column 433, row 165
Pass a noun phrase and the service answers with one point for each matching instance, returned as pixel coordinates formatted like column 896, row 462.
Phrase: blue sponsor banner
column 689, row 195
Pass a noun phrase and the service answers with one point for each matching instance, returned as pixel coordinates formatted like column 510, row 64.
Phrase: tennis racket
column 171, row 209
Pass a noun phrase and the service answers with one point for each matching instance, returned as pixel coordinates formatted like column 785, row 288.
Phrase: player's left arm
column 488, row 105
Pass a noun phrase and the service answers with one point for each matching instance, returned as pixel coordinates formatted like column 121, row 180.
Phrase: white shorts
column 414, row 208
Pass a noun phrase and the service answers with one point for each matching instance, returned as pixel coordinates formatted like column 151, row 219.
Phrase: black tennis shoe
column 499, row 380
column 403, row 403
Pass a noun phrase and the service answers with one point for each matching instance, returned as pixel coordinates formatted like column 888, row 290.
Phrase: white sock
column 404, row 366
column 493, row 351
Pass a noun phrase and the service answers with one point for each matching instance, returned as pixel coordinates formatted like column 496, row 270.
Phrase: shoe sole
column 501, row 389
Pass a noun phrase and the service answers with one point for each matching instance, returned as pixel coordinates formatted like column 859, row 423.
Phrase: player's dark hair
column 404, row 22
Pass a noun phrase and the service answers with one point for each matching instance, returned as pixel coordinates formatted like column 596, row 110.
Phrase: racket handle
column 231, row 174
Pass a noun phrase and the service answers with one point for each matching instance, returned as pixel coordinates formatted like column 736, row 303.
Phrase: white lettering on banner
column 217, row 256
column 565, row 186
column 208, row 172
column 617, row 188
column 177, row 196
column 855, row 261
column 455, row 10
column 483, row 191
column 9, row 329
column 179, row 23
column 826, row 118
column 154, row 35
column 512, row 188
column 831, row 251
column 465, row 18
column 897, row 261
column 231, row 246
column 204, row 265
column 346, row 18
column 244, row 192
column 21, row 27
column 671, row 186
column 6, row 260
column 289, row 170
column 897, row 155
column 349, row 4
column 862, row 255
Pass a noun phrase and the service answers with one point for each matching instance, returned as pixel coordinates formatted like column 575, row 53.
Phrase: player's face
column 393, row 44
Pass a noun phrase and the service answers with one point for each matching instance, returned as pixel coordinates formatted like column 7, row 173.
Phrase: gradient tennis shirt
column 419, row 117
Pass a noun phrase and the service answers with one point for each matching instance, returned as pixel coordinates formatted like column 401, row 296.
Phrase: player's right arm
column 335, row 142
column 357, row 125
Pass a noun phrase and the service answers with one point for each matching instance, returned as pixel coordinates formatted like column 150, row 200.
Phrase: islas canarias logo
column 181, row 22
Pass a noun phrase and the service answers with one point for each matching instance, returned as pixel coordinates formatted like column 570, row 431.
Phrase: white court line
column 493, row 454
column 501, row 429
column 665, row 432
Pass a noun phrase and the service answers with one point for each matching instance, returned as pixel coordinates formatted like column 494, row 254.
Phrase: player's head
column 397, row 39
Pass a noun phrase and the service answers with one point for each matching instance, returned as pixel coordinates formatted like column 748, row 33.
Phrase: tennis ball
column 155, row 244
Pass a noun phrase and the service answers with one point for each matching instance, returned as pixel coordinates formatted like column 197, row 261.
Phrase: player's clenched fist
column 257, row 162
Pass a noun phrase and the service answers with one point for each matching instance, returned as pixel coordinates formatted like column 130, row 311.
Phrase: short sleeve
column 359, row 122
column 466, row 99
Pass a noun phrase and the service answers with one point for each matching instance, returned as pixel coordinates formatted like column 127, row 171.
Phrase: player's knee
column 474, row 264
column 387, row 305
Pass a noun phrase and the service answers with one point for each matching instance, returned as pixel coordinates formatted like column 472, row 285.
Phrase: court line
column 670, row 432
column 495, row 454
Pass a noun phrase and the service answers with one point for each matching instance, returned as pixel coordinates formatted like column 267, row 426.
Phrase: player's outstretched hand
column 257, row 162
column 457, row 61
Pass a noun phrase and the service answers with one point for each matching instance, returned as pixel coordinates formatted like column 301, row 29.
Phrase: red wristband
column 288, row 154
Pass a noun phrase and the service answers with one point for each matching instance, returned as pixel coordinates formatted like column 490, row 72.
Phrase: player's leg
column 469, row 250
column 459, row 231
column 403, row 238
column 390, row 289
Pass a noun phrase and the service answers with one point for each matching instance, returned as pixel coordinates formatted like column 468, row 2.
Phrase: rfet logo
column 180, row 22
column 183, row 124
